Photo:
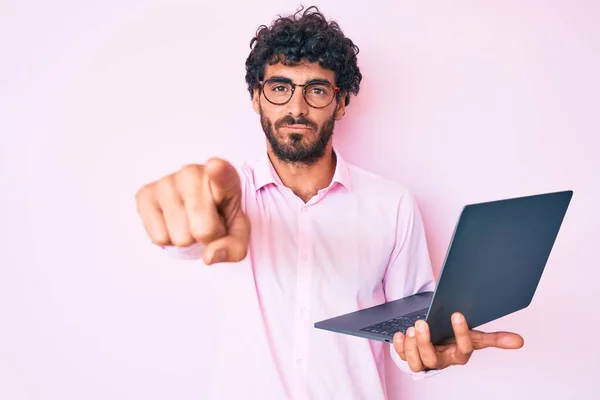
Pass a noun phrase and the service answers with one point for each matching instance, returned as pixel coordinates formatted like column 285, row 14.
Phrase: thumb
column 234, row 246
column 500, row 340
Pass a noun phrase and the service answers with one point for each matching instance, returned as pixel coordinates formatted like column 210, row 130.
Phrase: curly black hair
column 306, row 36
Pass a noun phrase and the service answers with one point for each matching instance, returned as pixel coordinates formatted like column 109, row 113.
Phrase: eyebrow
column 284, row 79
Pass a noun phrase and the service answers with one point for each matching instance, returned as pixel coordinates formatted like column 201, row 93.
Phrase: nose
column 297, row 105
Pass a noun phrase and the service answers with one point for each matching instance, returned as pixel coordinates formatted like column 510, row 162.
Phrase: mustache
column 289, row 120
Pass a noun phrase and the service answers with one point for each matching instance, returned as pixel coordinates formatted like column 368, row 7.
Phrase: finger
column 152, row 217
column 412, row 352
column 399, row 345
column 234, row 246
column 501, row 340
column 429, row 356
column 226, row 190
column 173, row 213
column 205, row 223
column 462, row 334
column 224, row 180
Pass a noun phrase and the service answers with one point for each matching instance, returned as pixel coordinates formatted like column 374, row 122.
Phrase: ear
column 255, row 100
column 341, row 107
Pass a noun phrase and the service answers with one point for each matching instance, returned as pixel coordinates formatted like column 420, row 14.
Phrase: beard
column 298, row 150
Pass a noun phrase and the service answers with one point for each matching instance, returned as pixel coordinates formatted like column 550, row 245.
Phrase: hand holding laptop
column 417, row 350
column 497, row 254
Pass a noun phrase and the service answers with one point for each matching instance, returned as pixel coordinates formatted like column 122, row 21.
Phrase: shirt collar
column 265, row 174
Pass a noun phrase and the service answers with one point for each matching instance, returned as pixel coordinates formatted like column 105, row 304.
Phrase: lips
column 295, row 123
column 296, row 127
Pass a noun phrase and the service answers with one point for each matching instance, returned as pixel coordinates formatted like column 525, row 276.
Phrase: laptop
column 493, row 266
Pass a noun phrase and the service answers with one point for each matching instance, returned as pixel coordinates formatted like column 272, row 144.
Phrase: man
column 310, row 235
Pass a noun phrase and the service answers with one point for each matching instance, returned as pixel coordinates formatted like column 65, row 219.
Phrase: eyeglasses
column 316, row 94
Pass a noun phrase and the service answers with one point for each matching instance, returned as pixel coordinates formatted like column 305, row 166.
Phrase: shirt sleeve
column 403, row 366
column 192, row 252
column 409, row 270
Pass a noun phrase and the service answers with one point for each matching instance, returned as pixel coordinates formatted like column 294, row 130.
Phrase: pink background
column 463, row 101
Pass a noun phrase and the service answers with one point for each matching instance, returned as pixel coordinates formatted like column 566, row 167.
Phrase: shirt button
column 304, row 256
column 299, row 361
column 303, row 310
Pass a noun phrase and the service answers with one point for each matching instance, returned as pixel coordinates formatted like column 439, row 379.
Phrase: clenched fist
column 198, row 204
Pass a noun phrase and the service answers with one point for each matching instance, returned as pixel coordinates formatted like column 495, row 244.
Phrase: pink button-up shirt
column 358, row 243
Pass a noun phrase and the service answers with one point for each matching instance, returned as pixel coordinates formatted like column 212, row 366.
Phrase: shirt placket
column 302, row 310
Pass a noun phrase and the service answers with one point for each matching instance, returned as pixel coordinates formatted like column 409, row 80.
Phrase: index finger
column 205, row 223
column 224, row 180
column 462, row 334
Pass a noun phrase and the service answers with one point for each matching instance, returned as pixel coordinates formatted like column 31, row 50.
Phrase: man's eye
column 319, row 90
column 279, row 88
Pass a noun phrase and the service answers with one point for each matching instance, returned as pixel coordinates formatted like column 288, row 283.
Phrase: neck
column 306, row 180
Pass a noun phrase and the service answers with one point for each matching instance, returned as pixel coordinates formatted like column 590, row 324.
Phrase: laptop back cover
column 496, row 258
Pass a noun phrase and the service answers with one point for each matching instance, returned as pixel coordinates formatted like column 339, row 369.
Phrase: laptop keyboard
column 391, row 326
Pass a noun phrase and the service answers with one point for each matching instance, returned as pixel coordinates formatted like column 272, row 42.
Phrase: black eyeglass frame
column 293, row 85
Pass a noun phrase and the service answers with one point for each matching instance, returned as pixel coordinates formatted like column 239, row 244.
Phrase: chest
column 336, row 244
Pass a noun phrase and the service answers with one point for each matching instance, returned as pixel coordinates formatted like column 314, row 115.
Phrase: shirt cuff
column 403, row 366
column 192, row 252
